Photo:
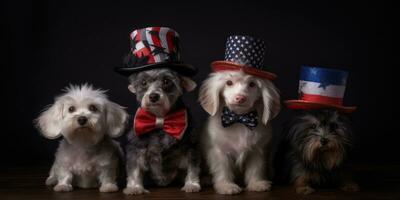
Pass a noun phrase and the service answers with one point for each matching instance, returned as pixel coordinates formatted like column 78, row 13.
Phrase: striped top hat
column 321, row 88
column 244, row 53
column 155, row 47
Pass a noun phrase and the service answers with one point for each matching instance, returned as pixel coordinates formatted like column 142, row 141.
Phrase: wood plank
column 377, row 182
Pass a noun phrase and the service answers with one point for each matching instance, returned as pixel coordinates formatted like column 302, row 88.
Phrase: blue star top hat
column 321, row 88
column 244, row 53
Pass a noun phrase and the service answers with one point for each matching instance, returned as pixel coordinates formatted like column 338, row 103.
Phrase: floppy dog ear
column 271, row 101
column 132, row 88
column 209, row 94
column 50, row 122
column 116, row 118
column 188, row 84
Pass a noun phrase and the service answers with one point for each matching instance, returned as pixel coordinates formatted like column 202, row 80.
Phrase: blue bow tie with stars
column 250, row 120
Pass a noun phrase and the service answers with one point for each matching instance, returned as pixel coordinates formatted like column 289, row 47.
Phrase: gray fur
column 157, row 154
column 155, row 78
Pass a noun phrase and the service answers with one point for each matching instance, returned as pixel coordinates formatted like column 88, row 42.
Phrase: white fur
column 237, row 148
column 87, row 155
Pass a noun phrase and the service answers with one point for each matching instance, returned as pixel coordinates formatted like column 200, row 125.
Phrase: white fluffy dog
column 237, row 149
column 87, row 155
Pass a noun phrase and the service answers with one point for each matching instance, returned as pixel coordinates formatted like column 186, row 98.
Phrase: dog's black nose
column 82, row 120
column 323, row 141
column 154, row 97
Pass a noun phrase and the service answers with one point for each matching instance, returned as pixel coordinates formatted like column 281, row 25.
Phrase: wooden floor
column 377, row 182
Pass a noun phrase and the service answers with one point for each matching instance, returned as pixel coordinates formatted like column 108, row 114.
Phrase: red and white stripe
column 153, row 40
column 142, row 50
column 164, row 39
column 133, row 34
column 331, row 94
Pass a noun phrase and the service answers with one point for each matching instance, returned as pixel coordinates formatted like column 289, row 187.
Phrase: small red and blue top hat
column 244, row 53
column 321, row 88
column 155, row 47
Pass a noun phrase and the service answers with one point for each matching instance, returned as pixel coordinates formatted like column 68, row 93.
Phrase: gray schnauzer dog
column 87, row 156
column 154, row 152
column 316, row 150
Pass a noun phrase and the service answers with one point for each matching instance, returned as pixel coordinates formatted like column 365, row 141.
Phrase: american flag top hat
column 321, row 88
column 244, row 53
column 155, row 47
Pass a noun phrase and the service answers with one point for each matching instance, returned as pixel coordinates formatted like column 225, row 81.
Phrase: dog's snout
column 82, row 120
column 240, row 98
column 323, row 141
column 154, row 97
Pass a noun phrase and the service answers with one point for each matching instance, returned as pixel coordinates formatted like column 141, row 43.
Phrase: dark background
column 48, row 44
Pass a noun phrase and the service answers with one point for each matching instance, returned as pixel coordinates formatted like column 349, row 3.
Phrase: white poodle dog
column 87, row 156
column 232, row 141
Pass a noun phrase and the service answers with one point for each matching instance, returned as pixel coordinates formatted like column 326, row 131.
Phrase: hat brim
column 180, row 68
column 308, row 105
column 231, row 66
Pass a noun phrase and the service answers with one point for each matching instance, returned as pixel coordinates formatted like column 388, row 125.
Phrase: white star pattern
column 246, row 49
column 314, row 71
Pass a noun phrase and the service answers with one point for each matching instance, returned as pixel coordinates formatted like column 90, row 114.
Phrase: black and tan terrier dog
column 317, row 144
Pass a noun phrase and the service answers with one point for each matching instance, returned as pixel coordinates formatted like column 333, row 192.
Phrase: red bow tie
column 174, row 124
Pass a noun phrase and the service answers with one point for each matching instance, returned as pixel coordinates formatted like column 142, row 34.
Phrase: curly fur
column 87, row 156
column 157, row 154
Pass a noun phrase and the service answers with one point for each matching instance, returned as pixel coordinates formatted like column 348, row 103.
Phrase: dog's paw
column 191, row 187
column 51, row 180
column 227, row 188
column 108, row 187
column 63, row 188
column 350, row 187
column 258, row 186
column 136, row 190
column 305, row 190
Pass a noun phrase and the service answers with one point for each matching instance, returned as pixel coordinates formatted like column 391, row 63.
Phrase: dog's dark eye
column 93, row 108
column 313, row 126
column 144, row 83
column 167, row 85
column 252, row 84
column 71, row 109
column 229, row 83
column 166, row 82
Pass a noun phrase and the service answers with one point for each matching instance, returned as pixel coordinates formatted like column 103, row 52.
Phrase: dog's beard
column 327, row 156
column 320, row 139
column 160, row 108
column 87, row 135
